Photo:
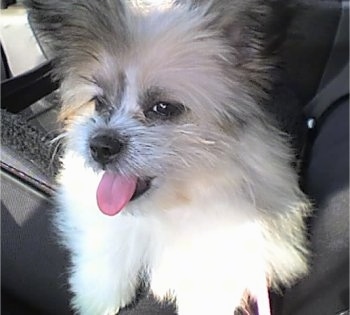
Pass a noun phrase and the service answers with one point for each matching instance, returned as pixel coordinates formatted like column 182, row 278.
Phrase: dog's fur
column 224, row 210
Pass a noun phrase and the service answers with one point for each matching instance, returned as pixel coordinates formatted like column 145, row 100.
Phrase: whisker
column 55, row 153
column 58, row 138
column 55, row 143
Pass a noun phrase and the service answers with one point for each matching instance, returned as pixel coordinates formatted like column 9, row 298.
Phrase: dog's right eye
column 100, row 102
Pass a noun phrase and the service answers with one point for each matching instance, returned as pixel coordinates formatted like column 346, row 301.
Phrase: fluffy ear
column 72, row 31
column 254, row 28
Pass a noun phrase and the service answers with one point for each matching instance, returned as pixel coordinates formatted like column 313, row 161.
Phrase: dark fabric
column 13, row 306
column 29, row 142
column 43, row 114
column 339, row 55
column 286, row 108
column 328, row 95
column 147, row 305
column 326, row 290
column 309, row 43
column 32, row 264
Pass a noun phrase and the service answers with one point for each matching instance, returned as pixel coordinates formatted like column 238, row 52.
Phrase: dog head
column 159, row 90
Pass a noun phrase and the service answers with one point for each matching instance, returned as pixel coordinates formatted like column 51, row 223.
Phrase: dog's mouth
column 115, row 191
column 142, row 185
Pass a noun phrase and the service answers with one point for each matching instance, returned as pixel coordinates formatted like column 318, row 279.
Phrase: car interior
column 315, row 79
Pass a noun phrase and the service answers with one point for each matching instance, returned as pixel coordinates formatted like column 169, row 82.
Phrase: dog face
column 160, row 104
column 159, row 91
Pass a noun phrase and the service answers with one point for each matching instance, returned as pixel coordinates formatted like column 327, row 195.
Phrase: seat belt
column 317, row 110
column 337, row 85
column 335, row 90
column 331, row 93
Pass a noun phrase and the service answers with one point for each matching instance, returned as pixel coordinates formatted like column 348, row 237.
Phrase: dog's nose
column 105, row 148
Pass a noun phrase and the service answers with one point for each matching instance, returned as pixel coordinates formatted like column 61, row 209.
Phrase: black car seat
column 34, row 278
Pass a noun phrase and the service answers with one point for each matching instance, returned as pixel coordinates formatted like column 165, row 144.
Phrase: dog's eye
column 164, row 110
column 100, row 102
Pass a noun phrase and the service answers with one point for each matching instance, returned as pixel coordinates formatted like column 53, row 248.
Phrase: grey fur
column 73, row 30
column 113, row 93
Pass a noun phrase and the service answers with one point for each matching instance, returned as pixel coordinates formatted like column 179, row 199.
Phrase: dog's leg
column 100, row 286
column 218, row 289
column 210, row 272
column 106, row 266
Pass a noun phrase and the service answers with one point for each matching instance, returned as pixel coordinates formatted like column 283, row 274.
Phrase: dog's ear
column 255, row 31
column 74, row 30
column 254, row 28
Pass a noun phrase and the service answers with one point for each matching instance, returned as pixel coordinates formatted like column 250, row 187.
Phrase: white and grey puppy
column 173, row 171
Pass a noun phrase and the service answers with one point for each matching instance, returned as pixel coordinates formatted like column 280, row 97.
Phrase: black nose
column 105, row 148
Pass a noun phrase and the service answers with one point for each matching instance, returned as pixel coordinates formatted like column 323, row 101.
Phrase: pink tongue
column 114, row 192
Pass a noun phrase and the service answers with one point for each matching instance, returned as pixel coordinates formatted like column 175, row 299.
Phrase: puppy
column 174, row 172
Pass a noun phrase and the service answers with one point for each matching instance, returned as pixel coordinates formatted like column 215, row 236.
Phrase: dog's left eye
column 164, row 110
